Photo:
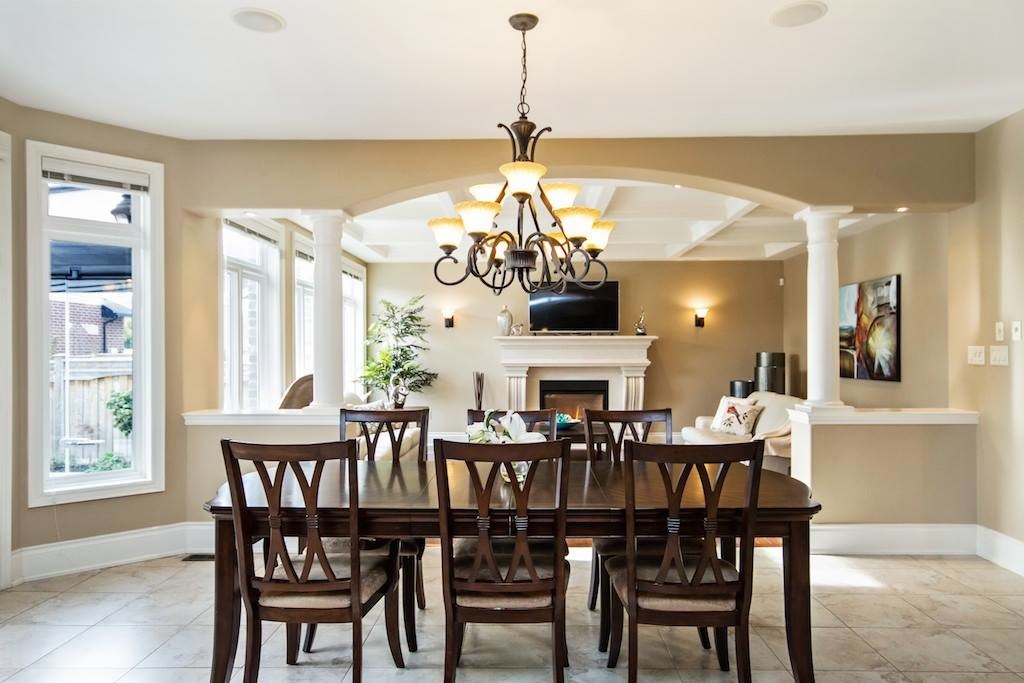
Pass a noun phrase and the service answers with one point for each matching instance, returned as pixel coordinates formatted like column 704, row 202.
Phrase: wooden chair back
column 484, row 463
column 374, row 423
column 676, row 466
column 618, row 423
column 290, row 476
column 532, row 418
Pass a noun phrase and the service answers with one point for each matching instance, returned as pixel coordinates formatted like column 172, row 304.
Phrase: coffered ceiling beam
column 702, row 231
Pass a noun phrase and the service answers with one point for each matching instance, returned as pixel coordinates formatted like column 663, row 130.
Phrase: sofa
column 772, row 426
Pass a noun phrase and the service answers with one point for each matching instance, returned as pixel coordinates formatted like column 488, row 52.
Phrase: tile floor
column 908, row 619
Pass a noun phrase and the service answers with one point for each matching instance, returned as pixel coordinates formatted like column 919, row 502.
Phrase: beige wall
column 924, row 171
column 915, row 246
column 690, row 368
column 986, row 267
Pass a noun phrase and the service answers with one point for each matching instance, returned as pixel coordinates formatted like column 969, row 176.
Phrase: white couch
column 772, row 425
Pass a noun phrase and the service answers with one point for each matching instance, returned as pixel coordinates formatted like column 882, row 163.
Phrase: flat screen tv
column 576, row 310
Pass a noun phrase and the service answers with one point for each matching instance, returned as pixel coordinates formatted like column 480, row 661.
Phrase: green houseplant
column 399, row 333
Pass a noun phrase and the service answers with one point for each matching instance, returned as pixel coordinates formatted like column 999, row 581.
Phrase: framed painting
column 869, row 329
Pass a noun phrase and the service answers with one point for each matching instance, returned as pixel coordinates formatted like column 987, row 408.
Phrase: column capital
column 811, row 212
column 325, row 214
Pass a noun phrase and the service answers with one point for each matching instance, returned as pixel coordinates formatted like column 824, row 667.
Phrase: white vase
column 504, row 322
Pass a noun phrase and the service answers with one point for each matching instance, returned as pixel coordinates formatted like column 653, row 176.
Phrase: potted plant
column 398, row 332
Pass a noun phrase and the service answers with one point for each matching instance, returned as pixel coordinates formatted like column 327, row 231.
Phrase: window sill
column 97, row 491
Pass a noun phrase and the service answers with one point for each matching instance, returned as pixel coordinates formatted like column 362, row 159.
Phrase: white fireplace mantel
column 626, row 354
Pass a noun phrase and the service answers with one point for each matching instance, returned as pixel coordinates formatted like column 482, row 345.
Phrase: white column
column 328, row 387
column 634, row 387
column 823, row 304
column 515, row 382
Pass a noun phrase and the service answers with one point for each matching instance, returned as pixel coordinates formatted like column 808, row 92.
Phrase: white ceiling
column 450, row 68
column 654, row 223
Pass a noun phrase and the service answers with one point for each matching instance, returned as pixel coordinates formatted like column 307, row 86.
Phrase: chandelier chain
column 523, row 107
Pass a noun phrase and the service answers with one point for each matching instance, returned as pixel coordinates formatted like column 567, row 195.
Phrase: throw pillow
column 739, row 419
column 723, row 406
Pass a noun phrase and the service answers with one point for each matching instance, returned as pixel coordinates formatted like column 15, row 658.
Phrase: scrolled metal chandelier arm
column 537, row 260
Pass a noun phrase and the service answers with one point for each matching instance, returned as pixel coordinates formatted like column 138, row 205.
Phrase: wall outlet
column 1000, row 332
column 975, row 355
column 1015, row 330
column 999, row 355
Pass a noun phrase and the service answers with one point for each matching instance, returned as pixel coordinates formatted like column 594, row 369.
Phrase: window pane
column 89, row 203
column 303, row 329
column 90, row 338
column 303, row 270
column 242, row 247
column 229, row 338
column 250, row 338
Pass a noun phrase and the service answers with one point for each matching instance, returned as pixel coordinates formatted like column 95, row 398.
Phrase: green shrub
column 109, row 462
column 120, row 405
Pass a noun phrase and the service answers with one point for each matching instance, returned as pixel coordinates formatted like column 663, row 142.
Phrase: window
column 353, row 279
column 250, row 335
column 95, row 263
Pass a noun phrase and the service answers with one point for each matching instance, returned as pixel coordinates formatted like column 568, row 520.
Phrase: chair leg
column 562, row 637
column 460, row 639
column 595, row 579
column 743, row 652
column 253, row 643
column 357, row 650
column 307, row 643
column 421, row 591
column 634, row 648
column 391, row 624
column 705, row 641
column 722, row 647
column 604, row 591
column 292, row 633
column 615, row 642
column 557, row 666
column 451, row 654
column 409, row 601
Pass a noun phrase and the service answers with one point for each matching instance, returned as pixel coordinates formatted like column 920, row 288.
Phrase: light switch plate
column 1000, row 331
column 999, row 355
column 975, row 355
column 1015, row 330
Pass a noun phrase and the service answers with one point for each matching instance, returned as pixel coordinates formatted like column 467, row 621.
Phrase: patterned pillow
column 723, row 406
column 739, row 419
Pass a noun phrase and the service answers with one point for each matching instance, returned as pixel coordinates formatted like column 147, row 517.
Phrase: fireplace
column 572, row 397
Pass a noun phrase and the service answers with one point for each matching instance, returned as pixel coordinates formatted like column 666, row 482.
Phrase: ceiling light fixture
column 902, row 209
column 798, row 14
column 260, row 20
column 539, row 261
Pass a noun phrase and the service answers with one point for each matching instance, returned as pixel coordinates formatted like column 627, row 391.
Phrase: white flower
column 509, row 429
column 513, row 427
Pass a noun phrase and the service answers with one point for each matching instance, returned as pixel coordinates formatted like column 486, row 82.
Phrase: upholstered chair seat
column 373, row 573
column 647, row 570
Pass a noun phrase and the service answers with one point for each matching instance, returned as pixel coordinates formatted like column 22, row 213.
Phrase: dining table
column 400, row 500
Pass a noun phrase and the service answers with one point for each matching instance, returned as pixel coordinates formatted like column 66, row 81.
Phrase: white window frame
column 6, row 364
column 360, row 346
column 148, row 383
column 304, row 245
column 271, row 336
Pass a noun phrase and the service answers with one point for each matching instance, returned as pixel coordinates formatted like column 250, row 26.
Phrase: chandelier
column 541, row 261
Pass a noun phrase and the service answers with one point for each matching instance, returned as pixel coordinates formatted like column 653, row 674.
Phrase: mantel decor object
column 504, row 322
column 641, row 324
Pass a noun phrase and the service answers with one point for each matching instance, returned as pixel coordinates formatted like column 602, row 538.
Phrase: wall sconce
column 698, row 316
column 449, row 316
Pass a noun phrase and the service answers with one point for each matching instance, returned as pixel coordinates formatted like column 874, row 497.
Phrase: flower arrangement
column 507, row 429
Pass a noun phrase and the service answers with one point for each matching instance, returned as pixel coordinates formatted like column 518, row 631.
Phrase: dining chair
column 313, row 586
column 369, row 428
column 525, row 585
column 532, row 418
column 620, row 426
column 675, row 589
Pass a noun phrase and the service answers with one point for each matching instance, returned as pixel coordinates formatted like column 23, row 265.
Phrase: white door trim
column 6, row 363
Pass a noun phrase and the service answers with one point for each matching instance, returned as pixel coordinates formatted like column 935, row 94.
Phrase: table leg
column 796, row 567
column 227, row 605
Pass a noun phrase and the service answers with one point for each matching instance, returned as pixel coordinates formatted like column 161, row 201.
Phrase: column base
column 822, row 406
column 323, row 408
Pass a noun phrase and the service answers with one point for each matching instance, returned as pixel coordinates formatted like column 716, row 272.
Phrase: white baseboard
column 98, row 552
column 1004, row 550
column 894, row 539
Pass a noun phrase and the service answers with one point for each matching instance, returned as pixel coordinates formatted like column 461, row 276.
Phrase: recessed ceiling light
column 902, row 209
column 256, row 19
column 249, row 214
column 678, row 187
column 798, row 13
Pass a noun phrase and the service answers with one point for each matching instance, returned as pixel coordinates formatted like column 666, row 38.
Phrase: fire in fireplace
column 572, row 397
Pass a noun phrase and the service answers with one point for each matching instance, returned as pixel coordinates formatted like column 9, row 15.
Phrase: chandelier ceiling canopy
column 540, row 261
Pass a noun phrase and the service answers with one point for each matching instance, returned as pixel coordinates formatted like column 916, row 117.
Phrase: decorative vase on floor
column 504, row 322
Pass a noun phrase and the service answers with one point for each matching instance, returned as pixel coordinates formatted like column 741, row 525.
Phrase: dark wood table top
column 594, row 487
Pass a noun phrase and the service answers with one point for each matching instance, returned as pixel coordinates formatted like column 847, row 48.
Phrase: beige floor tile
column 948, row 677
column 13, row 603
column 162, row 607
column 874, row 610
column 190, row 577
column 75, row 609
column 518, row 646
column 835, row 649
column 23, row 644
column 1004, row 645
column 768, row 609
column 767, row 581
column 132, row 578
column 928, row 649
column 331, row 648
column 966, row 611
column 309, row 674
column 653, row 650
column 859, row 677
column 688, row 654
column 55, row 584
column 430, row 640
column 714, row 676
column 1014, row 603
column 990, row 581
column 606, row 675
column 190, row 647
column 166, row 676
column 108, row 647
column 34, row 675
column 867, row 580
column 5, row 674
